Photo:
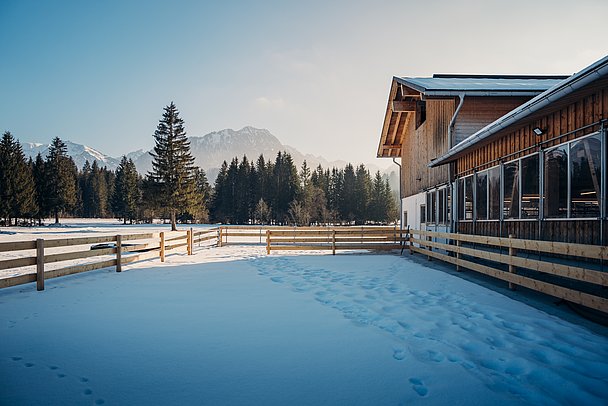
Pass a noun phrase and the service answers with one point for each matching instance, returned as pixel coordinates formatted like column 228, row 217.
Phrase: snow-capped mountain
column 80, row 153
column 209, row 151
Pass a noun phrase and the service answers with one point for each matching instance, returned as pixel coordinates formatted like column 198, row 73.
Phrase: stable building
column 427, row 117
column 539, row 171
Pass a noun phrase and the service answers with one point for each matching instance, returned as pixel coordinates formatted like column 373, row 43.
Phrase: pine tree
column 219, row 200
column 363, row 188
column 17, row 191
column 60, row 173
column 40, row 184
column 173, row 164
column 126, row 196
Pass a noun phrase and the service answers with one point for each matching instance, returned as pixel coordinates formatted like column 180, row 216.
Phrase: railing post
column 119, row 253
column 429, row 238
column 411, row 235
column 267, row 242
column 162, row 246
column 333, row 242
column 40, row 264
column 219, row 237
column 512, row 252
column 458, row 267
column 188, row 242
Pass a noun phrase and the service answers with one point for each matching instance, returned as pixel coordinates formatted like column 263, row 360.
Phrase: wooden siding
column 572, row 231
column 423, row 144
column 477, row 112
column 581, row 109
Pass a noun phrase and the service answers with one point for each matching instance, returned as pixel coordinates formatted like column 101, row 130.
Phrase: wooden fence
column 459, row 249
column 338, row 238
column 133, row 245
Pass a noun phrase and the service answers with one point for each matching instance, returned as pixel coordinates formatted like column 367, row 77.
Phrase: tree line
column 245, row 192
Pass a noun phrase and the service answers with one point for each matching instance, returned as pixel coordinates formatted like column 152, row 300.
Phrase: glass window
column 529, row 187
column 448, row 208
column 511, row 190
column 441, row 204
column 494, row 193
column 460, row 199
column 422, row 214
column 481, row 199
column 585, row 177
column 468, row 198
column 556, row 182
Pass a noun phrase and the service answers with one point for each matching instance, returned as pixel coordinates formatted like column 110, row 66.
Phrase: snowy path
column 231, row 326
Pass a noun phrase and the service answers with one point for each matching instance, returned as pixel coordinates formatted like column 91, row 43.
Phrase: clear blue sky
column 315, row 73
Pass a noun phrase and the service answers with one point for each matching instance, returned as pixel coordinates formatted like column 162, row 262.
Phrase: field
column 233, row 326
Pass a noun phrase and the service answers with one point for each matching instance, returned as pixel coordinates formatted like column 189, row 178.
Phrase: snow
column 232, row 326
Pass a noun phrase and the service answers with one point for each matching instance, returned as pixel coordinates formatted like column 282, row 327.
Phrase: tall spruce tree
column 60, row 173
column 17, row 191
column 126, row 195
column 173, row 164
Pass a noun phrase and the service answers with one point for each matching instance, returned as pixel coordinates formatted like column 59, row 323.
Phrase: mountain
column 209, row 151
column 80, row 153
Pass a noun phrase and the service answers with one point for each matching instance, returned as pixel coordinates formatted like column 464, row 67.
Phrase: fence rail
column 120, row 244
column 455, row 252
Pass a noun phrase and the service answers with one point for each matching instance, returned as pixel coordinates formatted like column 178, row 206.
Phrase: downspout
column 400, row 199
column 454, row 213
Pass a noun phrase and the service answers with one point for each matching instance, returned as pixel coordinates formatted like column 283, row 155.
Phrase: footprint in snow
column 399, row 354
column 419, row 387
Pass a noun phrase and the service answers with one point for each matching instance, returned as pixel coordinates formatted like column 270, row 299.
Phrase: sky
column 315, row 73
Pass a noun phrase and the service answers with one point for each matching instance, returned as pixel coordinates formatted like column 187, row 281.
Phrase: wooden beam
column 405, row 106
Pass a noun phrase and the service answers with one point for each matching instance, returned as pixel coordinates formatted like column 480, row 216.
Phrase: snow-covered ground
column 232, row 326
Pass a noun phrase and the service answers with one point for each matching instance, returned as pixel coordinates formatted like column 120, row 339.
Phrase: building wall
column 564, row 120
column 422, row 144
column 477, row 112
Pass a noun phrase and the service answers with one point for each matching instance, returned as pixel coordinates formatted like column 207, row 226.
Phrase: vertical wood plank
column 162, row 246
column 119, row 253
column 39, row 264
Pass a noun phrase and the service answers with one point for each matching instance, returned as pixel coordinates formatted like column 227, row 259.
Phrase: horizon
column 316, row 76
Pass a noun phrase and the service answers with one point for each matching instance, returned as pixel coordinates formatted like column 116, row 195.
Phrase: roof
column 446, row 86
column 562, row 89
column 481, row 85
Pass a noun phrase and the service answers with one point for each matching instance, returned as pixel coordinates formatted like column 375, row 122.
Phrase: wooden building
column 426, row 117
column 539, row 171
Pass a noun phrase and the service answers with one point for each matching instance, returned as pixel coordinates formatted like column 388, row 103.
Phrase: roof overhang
column 554, row 97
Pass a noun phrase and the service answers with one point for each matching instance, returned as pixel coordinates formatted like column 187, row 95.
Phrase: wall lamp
column 539, row 131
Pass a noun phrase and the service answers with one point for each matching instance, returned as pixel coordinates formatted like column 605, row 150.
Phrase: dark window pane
column 481, row 202
column 461, row 205
column 468, row 198
column 433, row 208
column 511, row 190
column 441, row 204
column 494, row 196
column 585, row 177
column 448, row 209
column 422, row 214
column 556, row 182
column 529, row 187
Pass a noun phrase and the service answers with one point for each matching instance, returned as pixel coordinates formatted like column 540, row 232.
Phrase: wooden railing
column 461, row 248
column 157, row 245
column 334, row 238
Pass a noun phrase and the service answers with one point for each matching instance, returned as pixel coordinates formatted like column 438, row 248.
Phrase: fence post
column 512, row 252
column 219, row 238
column 267, row 242
column 191, row 241
column 429, row 238
column 411, row 236
column 162, row 246
column 40, row 264
column 119, row 253
column 188, row 243
column 333, row 242
column 458, row 267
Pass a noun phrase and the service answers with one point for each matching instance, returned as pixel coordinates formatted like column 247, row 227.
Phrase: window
column 556, row 182
column 460, row 199
column 431, row 207
column 494, row 193
column 481, row 198
column 441, row 214
column 405, row 223
column 468, row 198
column 530, row 197
column 511, row 190
column 422, row 214
column 585, row 177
